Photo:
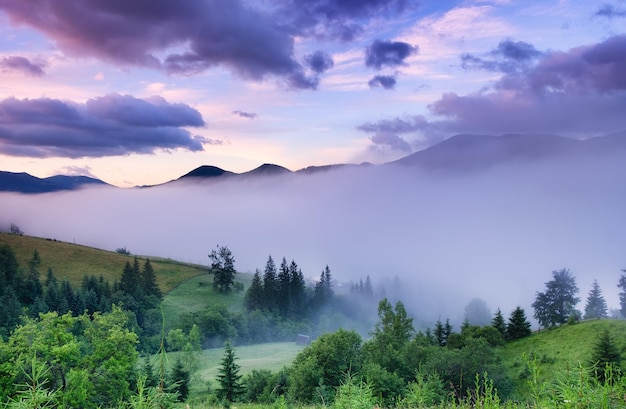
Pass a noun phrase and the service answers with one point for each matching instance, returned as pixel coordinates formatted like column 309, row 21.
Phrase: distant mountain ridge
column 459, row 153
column 26, row 183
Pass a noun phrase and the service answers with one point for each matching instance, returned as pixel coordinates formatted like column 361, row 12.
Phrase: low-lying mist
column 494, row 234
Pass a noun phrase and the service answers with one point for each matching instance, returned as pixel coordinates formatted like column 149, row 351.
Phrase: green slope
column 558, row 349
column 74, row 261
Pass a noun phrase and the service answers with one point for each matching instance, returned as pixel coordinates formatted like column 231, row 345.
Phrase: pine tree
column 32, row 286
column 254, row 296
column 297, row 292
column 622, row 294
column 518, row 326
column 229, row 378
column 596, row 304
column 130, row 280
column 179, row 380
column 605, row 353
column 269, row 285
column 498, row 323
column 367, row 288
column 284, row 279
column 323, row 291
column 149, row 282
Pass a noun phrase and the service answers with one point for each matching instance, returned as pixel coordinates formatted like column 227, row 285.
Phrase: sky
column 142, row 92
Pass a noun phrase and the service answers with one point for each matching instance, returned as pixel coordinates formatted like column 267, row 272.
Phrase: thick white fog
column 496, row 235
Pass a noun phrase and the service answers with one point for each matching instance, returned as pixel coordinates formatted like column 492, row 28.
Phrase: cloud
column 391, row 141
column 185, row 37
column 319, row 62
column 23, row 65
column 104, row 126
column 384, row 81
column 386, row 133
column 243, row 114
column 388, row 53
column 580, row 92
column 509, row 56
column 336, row 19
column 610, row 11
column 76, row 171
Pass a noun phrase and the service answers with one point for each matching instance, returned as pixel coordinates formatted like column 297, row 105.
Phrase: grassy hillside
column 74, row 261
column 558, row 349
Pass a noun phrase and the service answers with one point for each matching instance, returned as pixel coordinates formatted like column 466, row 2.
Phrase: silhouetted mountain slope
column 476, row 152
column 206, row 171
column 267, row 169
column 25, row 183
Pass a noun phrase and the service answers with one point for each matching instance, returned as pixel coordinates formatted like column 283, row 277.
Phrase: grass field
column 273, row 356
column 74, row 261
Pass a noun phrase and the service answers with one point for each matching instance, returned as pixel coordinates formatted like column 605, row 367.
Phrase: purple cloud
column 384, row 81
column 389, row 141
column 335, row 19
column 243, row 114
column 388, row 53
column 579, row 92
column 610, row 11
column 104, row 126
column 23, row 65
column 319, row 62
column 508, row 57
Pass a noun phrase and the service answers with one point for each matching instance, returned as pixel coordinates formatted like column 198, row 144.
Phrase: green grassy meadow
column 73, row 261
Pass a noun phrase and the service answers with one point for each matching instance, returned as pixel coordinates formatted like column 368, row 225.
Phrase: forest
column 104, row 344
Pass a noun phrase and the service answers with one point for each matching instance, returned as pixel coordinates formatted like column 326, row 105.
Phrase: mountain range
column 461, row 153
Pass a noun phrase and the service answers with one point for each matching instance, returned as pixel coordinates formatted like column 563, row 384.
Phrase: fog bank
column 495, row 234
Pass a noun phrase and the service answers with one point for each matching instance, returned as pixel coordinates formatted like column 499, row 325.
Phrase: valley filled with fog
column 435, row 240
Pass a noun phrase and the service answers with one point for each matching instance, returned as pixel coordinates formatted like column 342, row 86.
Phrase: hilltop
column 74, row 261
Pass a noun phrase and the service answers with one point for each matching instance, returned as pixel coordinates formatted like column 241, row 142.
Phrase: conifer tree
column 179, row 380
column 283, row 285
column 596, row 304
column 518, row 326
column 622, row 295
column 255, row 296
column 130, row 280
column 269, row 284
column 297, row 291
column 32, row 286
column 229, row 378
column 367, row 288
column 498, row 323
column 557, row 304
column 605, row 352
column 148, row 279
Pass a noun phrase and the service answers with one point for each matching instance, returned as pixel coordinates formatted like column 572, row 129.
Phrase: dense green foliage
column 557, row 304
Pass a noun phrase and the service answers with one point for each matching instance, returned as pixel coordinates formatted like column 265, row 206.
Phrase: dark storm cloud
column 243, row 114
column 183, row 37
column 385, row 81
column 388, row 53
column 319, row 62
column 103, row 126
column 510, row 56
column 610, row 11
column 335, row 19
column 23, row 65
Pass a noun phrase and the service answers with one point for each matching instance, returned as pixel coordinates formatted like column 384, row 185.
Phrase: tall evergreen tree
column 596, row 304
column 518, row 326
column 269, row 284
column 180, row 379
column 368, row 290
column 297, row 292
column 622, row 295
column 605, row 352
column 223, row 269
column 323, row 291
column 149, row 281
column 284, row 279
column 229, row 378
column 32, row 286
column 558, row 302
column 130, row 280
column 254, row 296
column 498, row 323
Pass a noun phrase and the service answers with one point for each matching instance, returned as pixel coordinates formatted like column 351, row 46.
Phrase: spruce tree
column 254, row 296
column 498, row 323
column 297, row 292
column 557, row 304
column 605, row 353
column 229, row 378
column 148, row 279
column 284, row 279
column 179, row 381
column 269, row 284
column 518, row 326
column 596, row 304
column 622, row 295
